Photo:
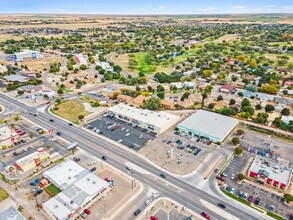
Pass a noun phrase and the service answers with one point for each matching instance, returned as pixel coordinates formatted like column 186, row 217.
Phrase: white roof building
column 81, row 189
column 158, row 122
column 27, row 54
column 65, row 174
column 286, row 119
column 80, row 59
column 210, row 125
column 179, row 85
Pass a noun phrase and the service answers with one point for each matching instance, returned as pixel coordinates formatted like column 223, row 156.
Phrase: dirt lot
column 157, row 151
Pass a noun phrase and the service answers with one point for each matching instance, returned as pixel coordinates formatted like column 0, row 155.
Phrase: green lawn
column 53, row 189
column 275, row 216
column 70, row 110
column 94, row 102
column 143, row 64
column 3, row 195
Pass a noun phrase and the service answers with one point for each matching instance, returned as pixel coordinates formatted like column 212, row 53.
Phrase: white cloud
column 162, row 7
column 205, row 10
column 238, row 7
column 54, row 10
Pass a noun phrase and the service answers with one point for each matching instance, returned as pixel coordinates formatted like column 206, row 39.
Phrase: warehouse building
column 80, row 188
column 26, row 54
column 32, row 160
column 270, row 173
column 210, row 125
column 157, row 122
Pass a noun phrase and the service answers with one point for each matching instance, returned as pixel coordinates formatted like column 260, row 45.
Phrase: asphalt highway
column 189, row 195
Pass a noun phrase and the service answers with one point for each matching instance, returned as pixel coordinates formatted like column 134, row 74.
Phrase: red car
column 206, row 215
column 250, row 199
column 153, row 218
column 220, row 178
column 87, row 211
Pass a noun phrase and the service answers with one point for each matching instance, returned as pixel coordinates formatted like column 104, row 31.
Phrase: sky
column 145, row 7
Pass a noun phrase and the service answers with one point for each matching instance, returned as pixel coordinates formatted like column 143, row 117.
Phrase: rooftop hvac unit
column 94, row 182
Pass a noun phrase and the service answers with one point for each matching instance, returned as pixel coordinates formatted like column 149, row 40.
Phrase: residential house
column 220, row 104
column 124, row 98
column 168, row 104
column 139, row 100
column 227, row 88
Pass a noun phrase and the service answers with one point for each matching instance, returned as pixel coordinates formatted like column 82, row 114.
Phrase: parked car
column 220, row 178
column 93, row 169
column 33, row 183
column 222, row 205
column 224, row 174
column 104, row 158
column 153, row 218
column 70, row 124
column 163, row 175
column 136, row 213
column 51, row 120
column 206, row 215
column 59, row 133
column 245, row 196
column 83, row 214
column 250, row 199
column 232, row 176
column 257, row 201
column 240, row 194
column 291, row 216
column 87, row 211
column 15, row 154
column 91, row 163
column 272, row 208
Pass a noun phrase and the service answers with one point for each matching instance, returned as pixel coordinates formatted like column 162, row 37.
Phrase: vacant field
column 94, row 102
column 121, row 60
column 4, row 37
column 3, row 195
column 275, row 56
column 279, row 43
column 70, row 110
column 41, row 64
column 53, row 189
column 227, row 38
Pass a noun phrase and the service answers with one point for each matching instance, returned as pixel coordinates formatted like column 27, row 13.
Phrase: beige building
column 8, row 136
column 32, row 160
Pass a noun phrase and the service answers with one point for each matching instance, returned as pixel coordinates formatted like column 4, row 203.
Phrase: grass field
column 274, row 56
column 3, row 195
column 40, row 64
column 227, row 38
column 279, row 43
column 4, row 37
column 94, row 102
column 143, row 64
column 53, row 189
column 70, row 110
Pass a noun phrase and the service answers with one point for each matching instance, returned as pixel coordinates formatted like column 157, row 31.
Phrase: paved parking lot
column 267, row 197
column 162, row 214
column 257, row 141
column 136, row 139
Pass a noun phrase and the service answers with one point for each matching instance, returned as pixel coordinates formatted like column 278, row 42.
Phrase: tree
column 48, row 147
column 258, row 107
column 240, row 132
column 248, row 109
column 20, row 92
column 161, row 95
column 153, row 104
column 185, row 96
column 45, row 96
column 211, row 105
column 240, row 177
column 270, row 89
column 238, row 151
column 285, row 111
column 245, row 102
column 288, row 197
column 12, row 125
column 31, row 135
column 240, row 94
column 80, row 117
column 60, row 91
column 204, row 96
column 235, row 140
column 83, row 67
column 220, row 98
column 232, row 102
column 269, row 108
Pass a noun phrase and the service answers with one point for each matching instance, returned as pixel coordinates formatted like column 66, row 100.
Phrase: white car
column 156, row 195
column 98, row 130
column 179, row 157
column 232, row 176
column 120, row 141
column 148, row 201
column 140, row 136
column 127, row 134
column 91, row 163
column 122, row 129
column 83, row 214
column 126, row 130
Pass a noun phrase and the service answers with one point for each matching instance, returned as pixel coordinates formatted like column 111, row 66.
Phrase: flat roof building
column 210, row 125
column 26, row 54
column 18, row 78
column 81, row 190
column 7, row 136
column 157, row 122
column 11, row 213
column 32, row 160
column 65, row 174
column 270, row 173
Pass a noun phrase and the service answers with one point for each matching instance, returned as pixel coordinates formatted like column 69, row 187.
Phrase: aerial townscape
column 146, row 110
